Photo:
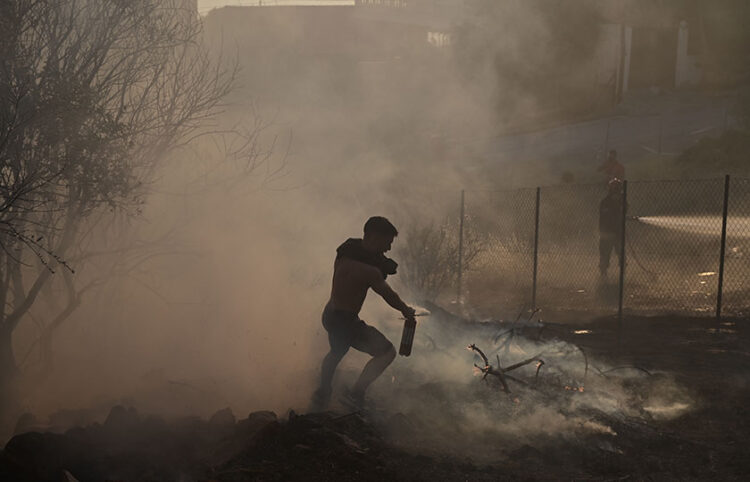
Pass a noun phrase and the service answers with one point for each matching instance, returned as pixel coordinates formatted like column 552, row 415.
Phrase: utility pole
column 621, row 65
column 620, row 85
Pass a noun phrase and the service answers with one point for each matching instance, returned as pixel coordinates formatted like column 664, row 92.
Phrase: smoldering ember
column 470, row 240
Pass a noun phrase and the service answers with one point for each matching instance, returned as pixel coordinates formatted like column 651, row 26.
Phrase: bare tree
column 94, row 94
column 430, row 256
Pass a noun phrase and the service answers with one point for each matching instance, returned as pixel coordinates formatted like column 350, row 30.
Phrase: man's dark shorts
column 345, row 330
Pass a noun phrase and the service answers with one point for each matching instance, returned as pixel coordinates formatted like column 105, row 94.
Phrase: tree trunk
column 8, row 372
column 8, row 368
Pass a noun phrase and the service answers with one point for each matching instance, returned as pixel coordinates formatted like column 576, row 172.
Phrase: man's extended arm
column 382, row 288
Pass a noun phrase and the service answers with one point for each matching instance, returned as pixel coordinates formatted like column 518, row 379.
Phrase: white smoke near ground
column 441, row 403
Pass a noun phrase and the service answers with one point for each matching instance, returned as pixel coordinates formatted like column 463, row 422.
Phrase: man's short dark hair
column 380, row 225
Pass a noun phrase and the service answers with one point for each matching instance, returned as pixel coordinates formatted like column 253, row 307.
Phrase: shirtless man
column 360, row 265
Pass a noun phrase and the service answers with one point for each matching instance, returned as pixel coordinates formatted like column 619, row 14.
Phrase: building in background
column 388, row 50
column 682, row 43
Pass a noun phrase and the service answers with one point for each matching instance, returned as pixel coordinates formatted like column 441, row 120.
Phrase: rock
column 222, row 418
column 121, row 418
column 68, row 477
column 255, row 422
column 38, row 456
column 248, row 433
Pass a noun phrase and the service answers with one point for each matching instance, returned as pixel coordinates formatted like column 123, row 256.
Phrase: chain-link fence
column 673, row 246
column 736, row 286
column 686, row 247
column 568, row 269
column 499, row 247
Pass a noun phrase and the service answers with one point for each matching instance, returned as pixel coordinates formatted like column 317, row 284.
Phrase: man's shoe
column 353, row 399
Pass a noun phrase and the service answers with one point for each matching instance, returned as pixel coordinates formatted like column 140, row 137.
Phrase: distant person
column 610, row 225
column 612, row 168
column 360, row 265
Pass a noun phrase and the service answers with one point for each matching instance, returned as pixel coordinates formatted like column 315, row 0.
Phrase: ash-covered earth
column 669, row 407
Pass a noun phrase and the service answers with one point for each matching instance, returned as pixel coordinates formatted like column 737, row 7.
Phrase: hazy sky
column 206, row 5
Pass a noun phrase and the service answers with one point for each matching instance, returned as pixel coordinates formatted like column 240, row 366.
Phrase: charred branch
column 499, row 371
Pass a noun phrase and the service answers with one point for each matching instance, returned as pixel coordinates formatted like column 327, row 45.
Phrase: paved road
column 667, row 125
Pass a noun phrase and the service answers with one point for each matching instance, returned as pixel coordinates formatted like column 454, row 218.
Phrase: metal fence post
column 460, row 250
column 722, row 249
column 622, row 253
column 536, row 249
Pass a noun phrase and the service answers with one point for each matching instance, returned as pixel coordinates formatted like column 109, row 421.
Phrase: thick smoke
column 229, row 313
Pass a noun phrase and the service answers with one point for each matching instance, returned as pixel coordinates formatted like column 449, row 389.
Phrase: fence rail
column 683, row 247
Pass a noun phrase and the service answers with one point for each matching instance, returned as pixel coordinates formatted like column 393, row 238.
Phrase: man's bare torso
column 351, row 280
